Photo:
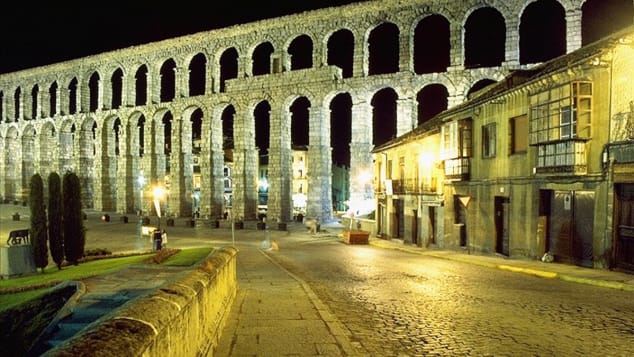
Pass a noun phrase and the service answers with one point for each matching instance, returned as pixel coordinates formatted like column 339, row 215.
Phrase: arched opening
column 72, row 96
column 301, row 52
column 1, row 106
column 52, row 97
column 227, row 117
column 383, row 116
column 432, row 99
column 341, row 51
column 141, row 129
column 117, row 88
column 299, row 121
column 261, row 59
column 196, row 142
column 383, row 49
column 140, row 78
column 93, row 85
column 485, row 37
column 431, row 45
column 261, row 113
column 197, row 75
column 16, row 103
column 167, row 137
column 228, row 66
column 340, row 138
column 603, row 17
column 34, row 102
column 542, row 32
column 168, row 81
column 478, row 86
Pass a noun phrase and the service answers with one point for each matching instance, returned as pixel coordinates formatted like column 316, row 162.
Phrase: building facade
column 138, row 111
column 541, row 162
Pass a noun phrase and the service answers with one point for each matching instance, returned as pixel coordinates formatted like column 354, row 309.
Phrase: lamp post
column 141, row 181
column 158, row 194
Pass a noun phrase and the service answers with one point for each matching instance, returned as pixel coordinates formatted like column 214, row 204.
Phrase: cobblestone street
column 399, row 304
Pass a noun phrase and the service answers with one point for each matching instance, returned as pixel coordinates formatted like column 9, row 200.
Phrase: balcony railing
column 426, row 185
column 457, row 169
column 566, row 157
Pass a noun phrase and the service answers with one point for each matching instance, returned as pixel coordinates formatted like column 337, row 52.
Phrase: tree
column 72, row 223
column 38, row 222
column 55, row 237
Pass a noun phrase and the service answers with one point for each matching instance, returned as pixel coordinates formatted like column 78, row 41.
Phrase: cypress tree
column 72, row 223
column 38, row 222
column 55, row 237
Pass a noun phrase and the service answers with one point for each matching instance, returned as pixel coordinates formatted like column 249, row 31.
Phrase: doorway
column 502, row 225
column 570, row 225
column 624, row 224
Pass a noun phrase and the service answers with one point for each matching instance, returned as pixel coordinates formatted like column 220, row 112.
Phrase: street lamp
column 141, row 181
column 158, row 192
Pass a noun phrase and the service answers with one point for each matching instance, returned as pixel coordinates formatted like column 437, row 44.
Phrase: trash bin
column 157, row 240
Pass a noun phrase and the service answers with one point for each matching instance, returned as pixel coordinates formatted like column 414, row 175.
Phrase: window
column 488, row 140
column 518, row 132
column 456, row 139
column 561, row 113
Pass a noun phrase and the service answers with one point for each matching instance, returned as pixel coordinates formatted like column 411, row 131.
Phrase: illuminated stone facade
column 112, row 116
column 542, row 161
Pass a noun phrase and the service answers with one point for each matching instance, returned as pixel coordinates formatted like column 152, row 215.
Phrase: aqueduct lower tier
column 166, row 109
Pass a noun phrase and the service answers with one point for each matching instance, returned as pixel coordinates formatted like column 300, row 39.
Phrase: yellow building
column 541, row 162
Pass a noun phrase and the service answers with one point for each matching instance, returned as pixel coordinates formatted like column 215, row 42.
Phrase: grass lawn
column 188, row 257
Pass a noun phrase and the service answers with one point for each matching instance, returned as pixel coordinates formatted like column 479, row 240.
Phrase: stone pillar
column 280, row 172
column 27, row 112
column 405, row 53
column 63, row 98
column 154, row 86
column 209, row 77
column 83, row 99
column 128, row 90
column 319, row 166
column 456, row 51
column 127, row 170
column 105, row 94
column 43, row 102
column 573, row 30
column 181, row 87
column 99, row 173
column 512, row 43
column 181, row 168
column 360, row 65
column 3, row 172
column 360, row 156
column 406, row 115
column 244, row 65
column 86, row 167
column 212, row 167
column 245, row 168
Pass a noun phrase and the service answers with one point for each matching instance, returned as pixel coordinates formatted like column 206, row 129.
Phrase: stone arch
column 168, row 80
column 340, row 111
column 300, row 116
column 480, row 84
column 228, row 66
column 602, row 17
column 93, row 91
column 300, row 52
column 17, row 103
column 432, row 99
column 384, row 121
column 73, row 95
column 262, row 122
column 484, row 34
column 197, row 70
column 340, row 51
column 116, row 88
column 141, row 85
column 542, row 31
column 35, row 104
column 261, row 58
column 432, row 44
column 383, row 49
column 53, row 91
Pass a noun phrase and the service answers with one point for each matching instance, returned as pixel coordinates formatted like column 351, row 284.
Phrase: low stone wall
column 183, row 318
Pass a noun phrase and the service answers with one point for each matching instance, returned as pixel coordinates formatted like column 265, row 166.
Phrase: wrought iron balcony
column 457, row 169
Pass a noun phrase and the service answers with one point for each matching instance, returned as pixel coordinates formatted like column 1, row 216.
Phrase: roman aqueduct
column 347, row 77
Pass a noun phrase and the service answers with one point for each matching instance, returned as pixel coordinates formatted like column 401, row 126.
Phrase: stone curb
column 539, row 273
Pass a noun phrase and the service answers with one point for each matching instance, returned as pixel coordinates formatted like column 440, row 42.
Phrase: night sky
column 54, row 31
